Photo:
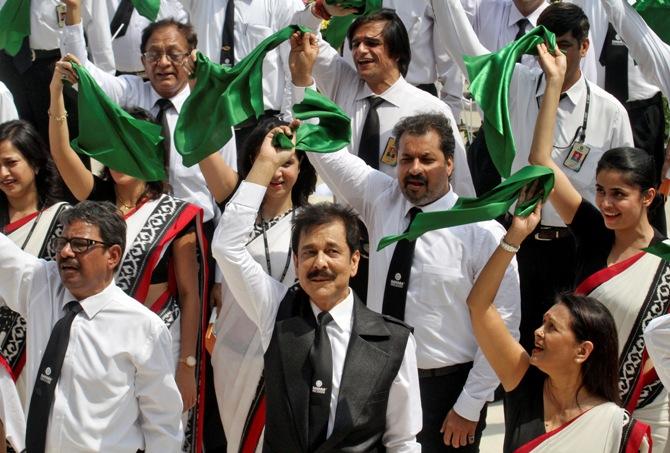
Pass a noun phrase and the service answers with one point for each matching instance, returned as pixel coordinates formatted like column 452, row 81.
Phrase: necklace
column 267, row 249
column 127, row 207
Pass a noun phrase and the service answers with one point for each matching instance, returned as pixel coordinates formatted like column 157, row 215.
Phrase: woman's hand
column 522, row 226
column 64, row 71
column 553, row 64
column 185, row 378
column 277, row 157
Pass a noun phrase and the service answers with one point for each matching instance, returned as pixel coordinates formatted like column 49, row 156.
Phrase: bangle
column 320, row 10
column 506, row 246
column 58, row 119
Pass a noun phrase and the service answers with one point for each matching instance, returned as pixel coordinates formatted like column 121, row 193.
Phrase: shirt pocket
column 440, row 285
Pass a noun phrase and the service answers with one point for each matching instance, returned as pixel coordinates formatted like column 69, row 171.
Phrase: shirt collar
column 341, row 313
column 515, row 15
column 93, row 304
column 177, row 100
column 447, row 201
column 574, row 94
column 396, row 94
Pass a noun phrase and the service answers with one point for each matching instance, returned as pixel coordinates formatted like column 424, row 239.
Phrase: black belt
column 445, row 370
column 253, row 120
column 39, row 54
column 549, row 233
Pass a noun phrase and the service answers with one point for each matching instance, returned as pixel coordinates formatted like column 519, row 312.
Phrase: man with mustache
column 338, row 376
column 99, row 367
column 427, row 281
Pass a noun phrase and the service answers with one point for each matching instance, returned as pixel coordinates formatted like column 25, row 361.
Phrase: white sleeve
column 257, row 293
column 657, row 342
column 403, row 412
column 95, row 17
column 482, row 380
column 157, row 394
column 18, row 270
column 647, row 49
column 7, row 108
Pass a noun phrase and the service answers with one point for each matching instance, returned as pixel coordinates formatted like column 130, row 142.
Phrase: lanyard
column 581, row 130
column 267, row 250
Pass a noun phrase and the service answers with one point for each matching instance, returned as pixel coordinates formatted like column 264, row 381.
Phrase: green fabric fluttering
column 492, row 204
column 110, row 135
column 662, row 250
column 656, row 13
column 14, row 25
column 331, row 134
column 223, row 97
column 147, row 8
column 490, row 76
column 337, row 28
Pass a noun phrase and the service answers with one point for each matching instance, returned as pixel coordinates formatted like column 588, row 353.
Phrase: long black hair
column 306, row 182
column 25, row 138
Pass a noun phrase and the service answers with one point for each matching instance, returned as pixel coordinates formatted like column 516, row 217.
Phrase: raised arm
column 504, row 353
column 220, row 178
column 76, row 176
column 564, row 197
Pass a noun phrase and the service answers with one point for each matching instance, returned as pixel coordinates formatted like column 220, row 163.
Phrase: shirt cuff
column 299, row 92
column 72, row 40
column 468, row 407
column 249, row 194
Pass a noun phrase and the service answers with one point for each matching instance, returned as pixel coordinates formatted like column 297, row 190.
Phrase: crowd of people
column 152, row 304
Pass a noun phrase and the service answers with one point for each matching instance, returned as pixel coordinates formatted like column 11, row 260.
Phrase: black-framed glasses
column 77, row 245
column 174, row 57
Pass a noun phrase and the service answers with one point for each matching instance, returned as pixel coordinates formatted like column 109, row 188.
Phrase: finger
column 448, row 436
column 463, row 438
column 295, row 124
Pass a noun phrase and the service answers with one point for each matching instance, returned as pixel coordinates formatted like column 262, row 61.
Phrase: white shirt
column 131, row 91
column 649, row 51
column 445, row 265
column 116, row 392
column 259, row 296
column 254, row 21
column 7, row 108
column 657, row 342
column 608, row 124
column 341, row 83
column 127, row 47
column 45, row 31
column 639, row 87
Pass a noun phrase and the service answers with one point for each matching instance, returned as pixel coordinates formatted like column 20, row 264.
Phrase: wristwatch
column 189, row 361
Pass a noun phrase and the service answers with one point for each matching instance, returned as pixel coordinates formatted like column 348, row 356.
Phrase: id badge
column 390, row 155
column 61, row 11
column 576, row 156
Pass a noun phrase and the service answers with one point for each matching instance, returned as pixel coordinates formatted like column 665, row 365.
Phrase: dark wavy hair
column 562, row 17
column 422, row 123
column 314, row 215
column 306, row 182
column 25, row 138
column 592, row 321
column 395, row 36
column 637, row 167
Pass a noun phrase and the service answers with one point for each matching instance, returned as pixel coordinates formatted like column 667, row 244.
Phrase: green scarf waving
column 656, row 13
column 222, row 98
column 492, row 204
column 14, row 25
column 110, row 135
column 337, row 28
column 147, row 8
column 490, row 76
column 331, row 134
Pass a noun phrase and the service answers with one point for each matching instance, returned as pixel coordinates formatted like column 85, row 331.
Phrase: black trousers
column 438, row 396
column 546, row 268
column 30, row 90
column 484, row 174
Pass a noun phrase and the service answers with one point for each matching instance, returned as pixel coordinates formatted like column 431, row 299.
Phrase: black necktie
column 521, row 24
column 397, row 279
column 163, row 106
column 368, row 149
column 47, row 378
column 121, row 18
column 227, row 36
column 321, row 358
column 614, row 57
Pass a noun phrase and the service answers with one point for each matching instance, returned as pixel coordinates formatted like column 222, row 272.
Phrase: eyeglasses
column 174, row 57
column 77, row 245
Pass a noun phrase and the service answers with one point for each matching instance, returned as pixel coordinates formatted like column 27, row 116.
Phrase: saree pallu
column 33, row 234
column 636, row 291
column 151, row 229
column 237, row 358
column 605, row 428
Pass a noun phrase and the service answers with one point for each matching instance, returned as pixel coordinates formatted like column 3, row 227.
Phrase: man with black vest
column 338, row 375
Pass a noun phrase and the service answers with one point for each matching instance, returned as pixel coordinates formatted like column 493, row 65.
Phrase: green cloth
column 223, row 97
column 331, row 134
column 492, row 204
column 490, row 77
column 14, row 25
column 110, row 135
column 662, row 250
column 656, row 13
column 147, row 8
column 336, row 32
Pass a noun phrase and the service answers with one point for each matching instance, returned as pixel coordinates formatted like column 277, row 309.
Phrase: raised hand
column 64, row 71
column 553, row 64
column 523, row 226
column 304, row 50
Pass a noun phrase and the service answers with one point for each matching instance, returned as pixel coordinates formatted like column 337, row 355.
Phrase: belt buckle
column 33, row 55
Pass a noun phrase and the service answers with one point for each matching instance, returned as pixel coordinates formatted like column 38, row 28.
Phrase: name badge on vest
column 576, row 156
column 318, row 387
column 390, row 156
column 397, row 281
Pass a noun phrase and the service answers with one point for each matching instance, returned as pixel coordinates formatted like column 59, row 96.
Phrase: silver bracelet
column 506, row 246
